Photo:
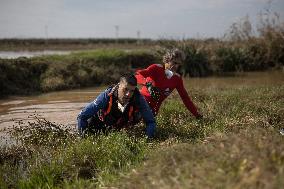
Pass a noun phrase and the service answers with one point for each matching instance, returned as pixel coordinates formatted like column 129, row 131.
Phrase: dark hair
column 129, row 78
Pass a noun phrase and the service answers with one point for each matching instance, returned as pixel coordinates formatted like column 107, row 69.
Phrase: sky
column 153, row 19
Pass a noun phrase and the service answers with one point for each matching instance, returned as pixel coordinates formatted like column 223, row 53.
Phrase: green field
column 236, row 145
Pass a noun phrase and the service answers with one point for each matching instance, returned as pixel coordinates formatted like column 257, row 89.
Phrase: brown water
column 59, row 107
column 56, row 106
column 64, row 106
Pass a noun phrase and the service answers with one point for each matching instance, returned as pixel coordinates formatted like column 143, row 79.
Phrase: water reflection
column 29, row 54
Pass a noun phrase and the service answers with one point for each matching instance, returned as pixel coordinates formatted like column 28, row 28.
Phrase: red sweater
column 156, row 74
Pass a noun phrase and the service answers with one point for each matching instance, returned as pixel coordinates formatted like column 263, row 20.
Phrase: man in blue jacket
column 119, row 106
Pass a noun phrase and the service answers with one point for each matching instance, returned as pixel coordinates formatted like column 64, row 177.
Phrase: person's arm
column 91, row 109
column 147, row 116
column 186, row 99
column 143, row 75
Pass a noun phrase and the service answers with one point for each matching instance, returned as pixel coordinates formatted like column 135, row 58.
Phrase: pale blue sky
column 153, row 18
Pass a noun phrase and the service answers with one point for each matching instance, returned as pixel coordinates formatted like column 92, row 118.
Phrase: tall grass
column 49, row 156
column 236, row 145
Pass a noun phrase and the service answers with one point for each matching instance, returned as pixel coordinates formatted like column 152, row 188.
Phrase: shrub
column 232, row 59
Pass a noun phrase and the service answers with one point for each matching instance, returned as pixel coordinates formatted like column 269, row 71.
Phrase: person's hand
column 154, row 91
column 199, row 117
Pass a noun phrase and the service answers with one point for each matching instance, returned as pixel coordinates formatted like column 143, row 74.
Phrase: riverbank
column 62, row 107
column 238, row 144
column 23, row 76
column 76, row 70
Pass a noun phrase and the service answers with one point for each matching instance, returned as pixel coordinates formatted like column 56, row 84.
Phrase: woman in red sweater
column 158, row 81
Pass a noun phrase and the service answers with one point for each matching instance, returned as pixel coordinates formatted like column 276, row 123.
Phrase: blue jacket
column 101, row 102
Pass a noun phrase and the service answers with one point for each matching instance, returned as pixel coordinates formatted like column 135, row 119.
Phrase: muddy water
column 59, row 107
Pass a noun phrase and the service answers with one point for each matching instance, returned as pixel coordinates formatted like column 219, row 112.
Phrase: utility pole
column 46, row 34
column 138, row 37
column 116, row 32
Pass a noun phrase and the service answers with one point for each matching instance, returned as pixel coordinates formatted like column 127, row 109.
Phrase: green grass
column 95, row 160
column 236, row 145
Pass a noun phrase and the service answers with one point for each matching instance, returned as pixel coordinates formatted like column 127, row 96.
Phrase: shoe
column 282, row 131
